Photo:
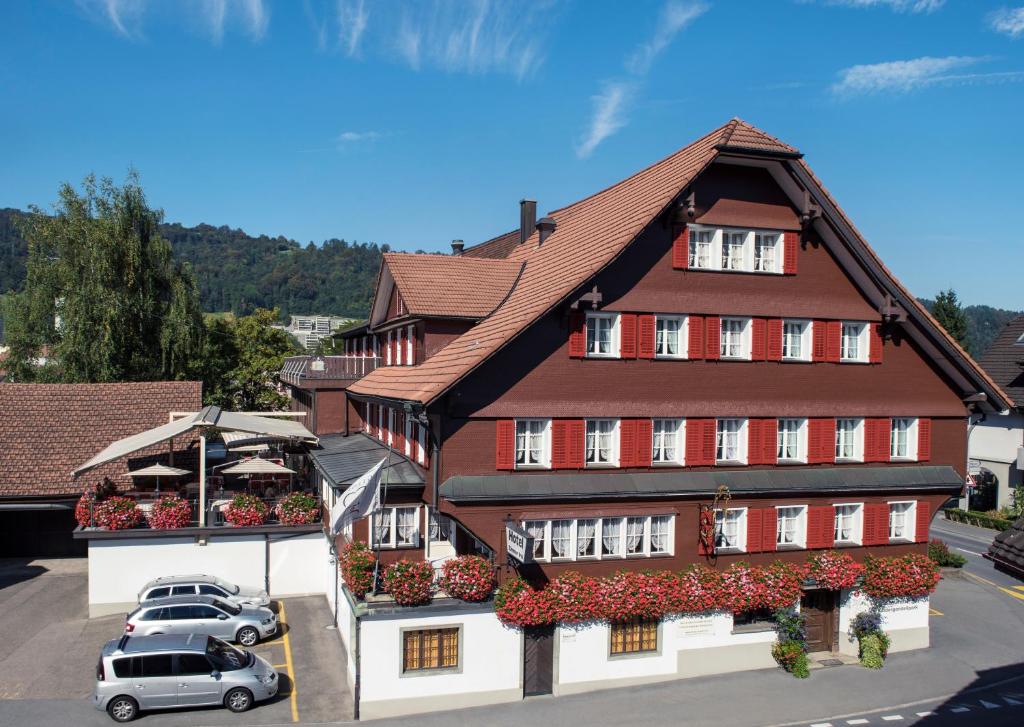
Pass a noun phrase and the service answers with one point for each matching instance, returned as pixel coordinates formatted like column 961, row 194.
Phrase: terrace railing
column 297, row 369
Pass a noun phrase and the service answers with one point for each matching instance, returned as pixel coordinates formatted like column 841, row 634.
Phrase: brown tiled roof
column 46, row 430
column 1004, row 358
column 497, row 247
column 449, row 285
column 738, row 134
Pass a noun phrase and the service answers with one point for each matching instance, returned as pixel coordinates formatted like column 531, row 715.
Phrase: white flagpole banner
column 360, row 499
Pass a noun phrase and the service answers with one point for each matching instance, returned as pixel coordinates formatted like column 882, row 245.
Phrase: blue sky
column 413, row 123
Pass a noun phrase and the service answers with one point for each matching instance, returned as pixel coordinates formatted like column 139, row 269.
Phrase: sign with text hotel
column 518, row 544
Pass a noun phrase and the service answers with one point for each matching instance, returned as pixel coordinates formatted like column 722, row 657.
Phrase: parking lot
column 49, row 650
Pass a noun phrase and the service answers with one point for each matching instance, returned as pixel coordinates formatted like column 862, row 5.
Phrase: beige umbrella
column 257, row 466
column 158, row 471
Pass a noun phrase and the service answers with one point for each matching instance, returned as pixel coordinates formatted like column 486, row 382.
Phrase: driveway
column 49, row 649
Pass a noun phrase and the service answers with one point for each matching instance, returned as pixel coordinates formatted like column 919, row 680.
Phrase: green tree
column 254, row 382
column 217, row 361
column 950, row 314
column 103, row 298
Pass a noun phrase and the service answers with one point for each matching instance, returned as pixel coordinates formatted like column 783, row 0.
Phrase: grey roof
column 1003, row 360
column 343, row 460
column 595, row 485
column 1007, row 548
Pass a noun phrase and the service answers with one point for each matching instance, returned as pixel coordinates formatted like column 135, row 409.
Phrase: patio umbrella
column 158, row 471
column 257, row 466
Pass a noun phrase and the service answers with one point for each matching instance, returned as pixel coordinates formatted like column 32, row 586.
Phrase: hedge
column 980, row 519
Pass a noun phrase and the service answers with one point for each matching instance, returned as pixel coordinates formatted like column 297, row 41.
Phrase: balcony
column 299, row 370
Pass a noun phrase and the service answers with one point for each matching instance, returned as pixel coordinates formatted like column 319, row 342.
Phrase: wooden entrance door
column 819, row 610
column 538, row 660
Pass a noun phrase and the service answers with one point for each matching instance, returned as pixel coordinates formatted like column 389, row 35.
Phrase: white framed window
column 796, row 340
column 387, row 351
column 731, row 441
column 702, row 244
column 849, row 524
column 397, row 527
column 853, row 346
column 902, row 520
column 631, row 536
column 667, row 441
column 602, row 443
column 533, row 443
column 670, row 337
column 791, row 526
column 734, row 246
column 903, row 439
column 735, row 338
column 731, row 530
column 602, row 335
column 421, row 448
column 850, row 440
column 410, row 340
column 792, row 440
column 766, row 252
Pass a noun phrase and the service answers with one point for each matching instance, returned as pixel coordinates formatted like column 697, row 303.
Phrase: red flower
column 169, row 513
column 468, row 577
column 246, row 511
column 356, row 564
column 409, row 582
column 910, row 576
column 118, row 513
column 297, row 509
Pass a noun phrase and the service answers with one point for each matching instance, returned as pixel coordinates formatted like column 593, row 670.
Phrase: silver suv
column 165, row 672
column 202, row 615
column 203, row 585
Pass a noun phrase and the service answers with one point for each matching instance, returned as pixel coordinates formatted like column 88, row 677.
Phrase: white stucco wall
column 905, row 621
column 583, row 655
column 997, row 438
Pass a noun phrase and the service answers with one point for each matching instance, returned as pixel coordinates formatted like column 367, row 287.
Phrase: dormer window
column 602, row 335
column 735, row 250
column 766, row 252
column 701, row 242
column 733, row 244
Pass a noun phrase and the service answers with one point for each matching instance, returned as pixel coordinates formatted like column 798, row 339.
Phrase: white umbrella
column 257, row 466
column 158, row 471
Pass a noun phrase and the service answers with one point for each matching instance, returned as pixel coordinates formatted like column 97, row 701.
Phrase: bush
column 792, row 657
column 939, row 552
column 85, row 507
column 118, row 513
column 909, row 576
column 409, row 582
column 356, row 563
column 979, row 519
column 791, row 626
column 246, row 511
column 170, row 513
column 873, row 650
column 834, row 571
column 468, row 578
column 297, row 509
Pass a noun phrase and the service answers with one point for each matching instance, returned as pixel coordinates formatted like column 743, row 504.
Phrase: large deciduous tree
column 104, row 299
column 253, row 384
column 950, row 314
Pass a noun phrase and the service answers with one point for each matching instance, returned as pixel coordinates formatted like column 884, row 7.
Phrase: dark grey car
column 202, row 615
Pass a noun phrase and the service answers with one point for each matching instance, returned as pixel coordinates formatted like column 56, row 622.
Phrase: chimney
column 457, row 246
column 545, row 226
column 527, row 218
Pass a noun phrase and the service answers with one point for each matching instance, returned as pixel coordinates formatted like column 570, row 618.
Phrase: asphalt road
column 971, row 543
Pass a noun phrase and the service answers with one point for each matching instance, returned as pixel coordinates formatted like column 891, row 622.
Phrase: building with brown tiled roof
column 47, row 430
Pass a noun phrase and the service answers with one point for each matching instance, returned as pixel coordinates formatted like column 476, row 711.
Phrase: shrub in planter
column 169, row 513
column 410, row 583
column 468, row 578
column 246, row 511
column 356, row 563
column 873, row 642
column 752, row 588
column 939, row 552
column 297, row 508
column 85, row 507
column 790, row 625
column 517, row 604
column 790, row 655
column 834, row 571
column 908, row 576
column 118, row 513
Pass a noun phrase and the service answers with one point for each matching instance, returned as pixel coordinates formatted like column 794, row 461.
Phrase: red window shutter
column 645, row 336
column 924, row 440
column 755, row 530
column 818, row 334
column 773, row 348
column 790, row 241
column 695, row 333
column 770, row 441
column 758, row 339
column 755, row 445
column 627, row 442
column 708, row 441
column 833, row 341
column 923, row 520
column 627, row 335
column 884, row 445
column 577, row 334
column 644, row 442
column 696, row 442
column 559, row 444
column 875, row 343
column 828, row 440
column 876, row 523
column 814, row 447
column 769, row 525
column 576, row 430
column 505, row 444
column 681, row 248
column 713, row 337
column 870, row 440
column 820, row 526
column 828, row 526
column 870, row 524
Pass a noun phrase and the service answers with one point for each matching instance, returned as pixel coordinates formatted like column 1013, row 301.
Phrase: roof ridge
column 731, row 130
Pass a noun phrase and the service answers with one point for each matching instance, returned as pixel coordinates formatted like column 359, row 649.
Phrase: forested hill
column 984, row 323
column 237, row 272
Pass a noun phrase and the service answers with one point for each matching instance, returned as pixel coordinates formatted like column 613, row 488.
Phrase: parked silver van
column 202, row 615
column 204, row 585
column 138, row 673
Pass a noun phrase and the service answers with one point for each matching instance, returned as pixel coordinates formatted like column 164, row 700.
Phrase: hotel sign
column 518, row 544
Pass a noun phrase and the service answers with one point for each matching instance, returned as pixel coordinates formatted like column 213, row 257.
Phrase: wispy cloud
column 127, row 17
column 353, row 137
column 1008, row 21
column 609, row 115
column 353, row 18
column 900, row 6
column 906, row 76
column 674, row 17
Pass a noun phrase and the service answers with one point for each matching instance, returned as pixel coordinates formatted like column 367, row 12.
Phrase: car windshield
column 233, row 590
column 226, row 657
column 229, row 607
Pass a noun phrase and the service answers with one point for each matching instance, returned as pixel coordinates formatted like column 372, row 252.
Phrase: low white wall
column 119, row 568
column 904, row 621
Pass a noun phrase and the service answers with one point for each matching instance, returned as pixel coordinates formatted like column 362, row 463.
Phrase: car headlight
column 266, row 678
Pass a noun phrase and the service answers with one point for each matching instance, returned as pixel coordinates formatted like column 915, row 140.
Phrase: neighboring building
column 997, row 439
column 46, row 430
column 597, row 378
column 310, row 330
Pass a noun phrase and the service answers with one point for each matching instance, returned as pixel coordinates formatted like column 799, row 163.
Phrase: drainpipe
column 357, row 684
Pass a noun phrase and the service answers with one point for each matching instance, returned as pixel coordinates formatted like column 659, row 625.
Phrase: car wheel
column 123, row 709
column 238, row 699
column 248, row 636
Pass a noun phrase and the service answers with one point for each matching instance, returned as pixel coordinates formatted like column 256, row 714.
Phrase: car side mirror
column 215, row 674
column 222, row 617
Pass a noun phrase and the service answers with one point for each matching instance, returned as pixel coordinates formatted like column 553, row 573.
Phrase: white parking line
column 822, row 724
column 960, row 709
column 856, row 721
column 892, row 717
column 989, row 705
column 925, row 714
column 964, row 550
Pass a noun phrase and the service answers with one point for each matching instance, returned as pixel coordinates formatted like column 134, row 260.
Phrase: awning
column 343, row 460
column 776, row 482
column 244, row 441
column 157, row 470
column 210, row 416
column 257, row 466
